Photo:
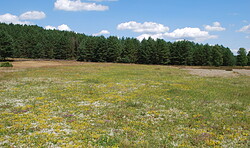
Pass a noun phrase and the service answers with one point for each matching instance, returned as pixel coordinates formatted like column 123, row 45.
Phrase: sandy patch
column 18, row 65
column 242, row 71
column 22, row 65
column 218, row 73
column 37, row 64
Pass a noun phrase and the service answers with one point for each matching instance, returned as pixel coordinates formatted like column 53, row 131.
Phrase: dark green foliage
column 248, row 56
column 90, row 48
column 217, row 59
column 182, row 53
column 202, row 55
column 6, row 45
column 114, row 49
column 130, row 48
column 23, row 41
column 162, row 52
column 242, row 59
column 101, row 51
column 81, row 51
column 6, row 64
column 208, row 55
column 39, row 51
column 61, row 48
column 145, row 51
column 228, row 57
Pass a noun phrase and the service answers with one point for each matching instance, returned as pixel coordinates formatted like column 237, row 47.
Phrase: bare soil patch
column 218, row 72
column 24, row 64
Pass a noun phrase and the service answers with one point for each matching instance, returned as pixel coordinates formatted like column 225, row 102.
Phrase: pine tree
column 6, row 45
column 198, row 55
column 62, row 46
column 81, row 51
column 228, row 57
column 39, row 51
column 102, row 49
column 90, row 49
column 163, row 52
column 182, row 53
column 145, row 52
column 129, row 50
column 242, row 59
column 114, row 49
column 248, row 55
column 217, row 59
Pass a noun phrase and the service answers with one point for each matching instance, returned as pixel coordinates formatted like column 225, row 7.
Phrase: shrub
column 6, row 64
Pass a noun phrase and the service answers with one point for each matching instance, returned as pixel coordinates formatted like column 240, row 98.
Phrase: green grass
column 118, row 105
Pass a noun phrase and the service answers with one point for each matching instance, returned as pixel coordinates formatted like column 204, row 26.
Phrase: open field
column 71, row 104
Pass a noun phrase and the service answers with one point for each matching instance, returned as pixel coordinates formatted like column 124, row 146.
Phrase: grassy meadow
column 119, row 105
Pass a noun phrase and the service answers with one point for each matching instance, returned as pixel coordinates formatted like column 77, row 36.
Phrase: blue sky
column 225, row 22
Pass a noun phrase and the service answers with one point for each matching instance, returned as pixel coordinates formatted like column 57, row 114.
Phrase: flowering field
column 118, row 105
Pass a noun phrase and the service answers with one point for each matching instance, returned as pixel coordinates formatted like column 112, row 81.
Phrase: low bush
column 6, row 64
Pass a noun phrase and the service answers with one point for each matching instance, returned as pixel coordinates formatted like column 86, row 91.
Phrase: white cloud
column 159, row 31
column 9, row 18
column 103, row 32
column 245, row 29
column 50, row 27
column 62, row 27
column 77, row 5
column 193, row 34
column 32, row 15
column 153, row 36
column 216, row 27
column 149, row 27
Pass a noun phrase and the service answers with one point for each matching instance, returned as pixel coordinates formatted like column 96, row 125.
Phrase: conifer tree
column 242, row 59
column 163, row 52
column 248, row 56
column 217, row 59
column 101, row 50
column 145, row 51
column 81, row 51
column 114, row 49
column 6, row 45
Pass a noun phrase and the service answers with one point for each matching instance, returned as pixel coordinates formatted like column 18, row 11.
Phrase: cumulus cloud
column 193, row 34
column 153, row 36
column 159, row 31
column 62, row 27
column 50, row 27
column 9, row 18
column 32, row 15
column 77, row 5
column 146, row 27
column 245, row 29
column 216, row 27
column 103, row 32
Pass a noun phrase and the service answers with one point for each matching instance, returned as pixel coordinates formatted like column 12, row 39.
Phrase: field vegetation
column 122, row 105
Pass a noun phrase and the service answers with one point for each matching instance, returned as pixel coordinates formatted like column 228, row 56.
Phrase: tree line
column 25, row 41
